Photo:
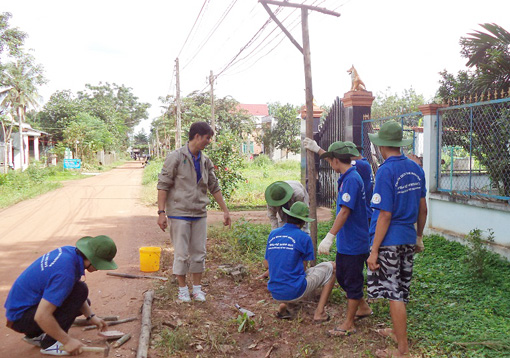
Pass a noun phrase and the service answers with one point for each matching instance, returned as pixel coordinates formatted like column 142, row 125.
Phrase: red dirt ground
column 109, row 204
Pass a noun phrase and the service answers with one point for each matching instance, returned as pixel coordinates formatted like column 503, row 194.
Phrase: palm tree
column 489, row 53
column 18, row 83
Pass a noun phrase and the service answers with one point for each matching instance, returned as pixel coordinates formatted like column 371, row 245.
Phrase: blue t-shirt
column 365, row 171
column 352, row 239
column 287, row 248
column 52, row 277
column 399, row 186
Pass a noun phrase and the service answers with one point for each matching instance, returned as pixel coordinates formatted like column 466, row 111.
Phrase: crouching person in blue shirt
column 47, row 297
column 287, row 252
column 398, row 202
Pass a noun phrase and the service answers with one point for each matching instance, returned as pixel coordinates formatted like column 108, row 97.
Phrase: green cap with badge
column 390, row 135
column 340, row 150
column 99, row 250
column 299, row 210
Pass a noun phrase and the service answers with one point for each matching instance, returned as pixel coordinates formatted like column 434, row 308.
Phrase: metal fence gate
column 331, row 130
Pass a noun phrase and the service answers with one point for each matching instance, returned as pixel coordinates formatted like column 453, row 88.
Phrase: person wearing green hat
column 47, row 297
column 350, row 229
column 287, row 252
column 399, row 203
column 282, row 194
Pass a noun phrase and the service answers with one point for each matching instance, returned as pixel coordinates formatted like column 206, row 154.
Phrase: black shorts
column 349, row 274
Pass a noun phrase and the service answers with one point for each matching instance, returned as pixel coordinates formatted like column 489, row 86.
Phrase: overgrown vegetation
column 16, row 186
column 248, row 194
column 450, row 313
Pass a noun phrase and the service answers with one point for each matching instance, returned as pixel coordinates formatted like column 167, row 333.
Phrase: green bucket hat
column 390, row 135
column 299, row 210
column 341, row 150
column 278, row 193
column 99, row 250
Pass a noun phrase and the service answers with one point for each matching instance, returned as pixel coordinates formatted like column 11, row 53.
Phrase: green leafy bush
column 227, row 160
column 478, row 257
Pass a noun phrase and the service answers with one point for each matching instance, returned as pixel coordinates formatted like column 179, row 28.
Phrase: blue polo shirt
column 399, row 186
column 352, row 239
column 365, row 171
column 287, row 248
column 52, row 277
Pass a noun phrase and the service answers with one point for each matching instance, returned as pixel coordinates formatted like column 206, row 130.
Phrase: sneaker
column 35, row 341
column 184, row 296
column 199, row 296
column 55, row 350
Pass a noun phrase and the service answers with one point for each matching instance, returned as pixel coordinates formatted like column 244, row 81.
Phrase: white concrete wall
column 459, row 217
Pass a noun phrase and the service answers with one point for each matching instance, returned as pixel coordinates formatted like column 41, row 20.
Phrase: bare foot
column 387, row 333
column 319, row 318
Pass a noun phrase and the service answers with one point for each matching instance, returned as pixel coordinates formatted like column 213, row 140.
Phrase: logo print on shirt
column 346, row 198
column 376, row 199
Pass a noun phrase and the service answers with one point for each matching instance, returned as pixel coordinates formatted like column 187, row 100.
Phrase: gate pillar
column 357, row 105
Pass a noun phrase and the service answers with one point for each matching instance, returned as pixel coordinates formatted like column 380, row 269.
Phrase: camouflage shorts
column 393, row 278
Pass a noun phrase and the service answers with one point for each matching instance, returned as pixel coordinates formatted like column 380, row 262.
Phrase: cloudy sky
column 394, row 43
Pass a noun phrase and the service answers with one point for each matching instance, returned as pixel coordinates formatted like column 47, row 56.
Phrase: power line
column 225, row 13
column 196, row 20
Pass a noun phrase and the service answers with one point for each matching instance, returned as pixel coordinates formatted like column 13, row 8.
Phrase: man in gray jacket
column 186, row 176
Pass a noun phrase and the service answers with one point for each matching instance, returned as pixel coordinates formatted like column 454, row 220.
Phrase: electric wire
column 196, row 20
column 204, row 42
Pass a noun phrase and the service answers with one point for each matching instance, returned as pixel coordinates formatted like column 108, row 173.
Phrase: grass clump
column 462, row 316
column 173, row 341
column 16, row 186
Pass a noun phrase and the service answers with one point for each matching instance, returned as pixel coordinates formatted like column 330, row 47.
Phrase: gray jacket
column 178, row 177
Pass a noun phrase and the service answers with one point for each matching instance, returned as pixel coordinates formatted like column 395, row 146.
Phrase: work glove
column 311, row 145
column 326, row 244
column 419, row 244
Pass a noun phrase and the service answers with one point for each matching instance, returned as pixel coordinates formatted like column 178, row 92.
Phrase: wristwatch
column 161, row 211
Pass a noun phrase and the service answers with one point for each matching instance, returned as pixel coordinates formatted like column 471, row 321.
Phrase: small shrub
column 262, row 161
column 478, row 257
column 245, row 323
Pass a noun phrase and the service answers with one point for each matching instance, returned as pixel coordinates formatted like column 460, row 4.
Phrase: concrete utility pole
column 213, row 120
column 305, row 50
column 178, row 105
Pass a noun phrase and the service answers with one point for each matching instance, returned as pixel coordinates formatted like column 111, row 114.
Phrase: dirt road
column 104, row 204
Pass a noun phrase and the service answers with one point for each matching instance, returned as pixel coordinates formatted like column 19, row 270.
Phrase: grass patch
column 250, row 193
column 16, row 186
column 451, row 313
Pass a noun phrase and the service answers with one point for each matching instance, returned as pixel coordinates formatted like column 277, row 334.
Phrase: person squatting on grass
column 280, row 195
column 287, row 252
column 350, row 229
column 398, row 202
column 47, row 297
column 186, row 176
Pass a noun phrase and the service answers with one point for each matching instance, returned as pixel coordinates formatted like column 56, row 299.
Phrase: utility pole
column 305, row 50
column 178, row 105
column 213, row 120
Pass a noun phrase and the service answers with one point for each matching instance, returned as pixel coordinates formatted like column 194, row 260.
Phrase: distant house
column 34, row 142
column 261, row 117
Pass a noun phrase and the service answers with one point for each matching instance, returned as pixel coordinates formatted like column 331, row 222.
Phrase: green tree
column 19, row 81
column 488, row 56
column 10, row 38
column 87, row 134
column 141, row 137
column 287, row 131
column 58, row 113
column 390, row 103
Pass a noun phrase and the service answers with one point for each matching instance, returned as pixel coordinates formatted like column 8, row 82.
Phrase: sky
column 395, row 43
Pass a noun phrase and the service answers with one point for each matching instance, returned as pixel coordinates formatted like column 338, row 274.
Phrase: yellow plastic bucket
column 149, row 259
